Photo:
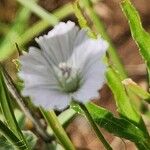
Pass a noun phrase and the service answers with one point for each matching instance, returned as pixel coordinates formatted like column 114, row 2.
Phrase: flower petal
column 47, row 98
column 88, row 52
column 35, row 70
column 93, row 81
column 57, row 45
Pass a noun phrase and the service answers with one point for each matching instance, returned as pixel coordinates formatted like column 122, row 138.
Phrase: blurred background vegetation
column 20, row 22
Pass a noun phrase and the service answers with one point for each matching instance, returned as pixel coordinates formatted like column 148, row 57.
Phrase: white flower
column 69, row 64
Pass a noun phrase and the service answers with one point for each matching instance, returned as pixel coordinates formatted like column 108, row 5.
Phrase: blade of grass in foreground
column 7, row 110
column 11, row 137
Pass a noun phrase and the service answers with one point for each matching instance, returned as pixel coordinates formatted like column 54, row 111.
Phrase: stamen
column 68, row 77
column 66, row 69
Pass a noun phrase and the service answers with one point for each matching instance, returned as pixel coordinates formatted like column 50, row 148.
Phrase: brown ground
column 118, row 29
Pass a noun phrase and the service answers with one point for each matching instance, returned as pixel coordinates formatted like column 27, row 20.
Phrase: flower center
column 65, row 70
column 68, row 77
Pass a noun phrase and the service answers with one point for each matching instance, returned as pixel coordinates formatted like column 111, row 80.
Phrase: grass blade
column 18, row 27
column 39, row 11
column 7, row 110
column 11, row 137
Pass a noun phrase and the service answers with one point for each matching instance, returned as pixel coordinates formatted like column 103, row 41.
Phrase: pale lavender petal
column 81, row 37
column 88, row 52
column 57, row 45
column 93, row 81
column 35, row 71
column 47, row 98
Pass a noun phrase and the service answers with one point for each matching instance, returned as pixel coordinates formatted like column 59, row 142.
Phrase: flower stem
column 94, row 126
column 58, row 130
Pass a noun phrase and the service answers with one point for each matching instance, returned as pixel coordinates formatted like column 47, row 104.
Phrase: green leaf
column 141, row 37
column 138, row 33
column 119, row 127
column 6, row 105
column 123, row 102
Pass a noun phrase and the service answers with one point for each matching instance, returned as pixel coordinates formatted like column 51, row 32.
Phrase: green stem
column 94, row 126
column 115, row 60
column 58, row 130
